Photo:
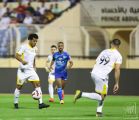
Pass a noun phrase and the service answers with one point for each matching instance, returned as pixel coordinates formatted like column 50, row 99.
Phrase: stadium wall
column 78, row 79
column 78, row 63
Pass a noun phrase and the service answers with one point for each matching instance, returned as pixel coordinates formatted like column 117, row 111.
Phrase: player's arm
column 19, row 58
column 70, row 64
column 117, row 77
column 34, row 64
column 47, row 65
column 51, row 64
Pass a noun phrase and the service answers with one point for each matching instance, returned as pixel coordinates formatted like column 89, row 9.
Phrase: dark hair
column 33, row 35
column 53, row 46
column 116, row 42
column 60, row 43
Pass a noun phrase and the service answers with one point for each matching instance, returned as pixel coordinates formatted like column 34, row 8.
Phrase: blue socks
column 59, row 92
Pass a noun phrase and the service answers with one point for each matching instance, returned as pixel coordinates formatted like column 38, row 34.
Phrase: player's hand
column 51, row 68
column 47, row 69
column 24, row 62
column 68, row 67
column 115, row 88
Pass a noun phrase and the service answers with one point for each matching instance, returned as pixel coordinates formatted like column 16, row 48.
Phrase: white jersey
column 49, row 59
column 105, row 62
column 28, row 54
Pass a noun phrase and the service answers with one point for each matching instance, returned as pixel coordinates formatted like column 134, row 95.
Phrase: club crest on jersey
column 64, row 57
column 59, row 58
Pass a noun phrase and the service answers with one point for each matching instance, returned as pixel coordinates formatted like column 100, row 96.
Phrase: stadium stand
column 22, row 16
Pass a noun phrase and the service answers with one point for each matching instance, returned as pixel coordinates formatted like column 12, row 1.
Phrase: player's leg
column 51, row 80
column 100, row 106
column 101, row 88
column 64, row 81
column 34, row 79
column 21, row 77
column 63, row 86
column 51, row 90
column 16, row 95
column 59, row 86
column 98, row 88
column 59, row 89
column 94, row 96
column 37, row 87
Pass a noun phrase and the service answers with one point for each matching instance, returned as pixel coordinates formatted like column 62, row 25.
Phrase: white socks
column 93, row 96
column 100, row 106
column 40, row 91
column 51, row 90
column 16, row 95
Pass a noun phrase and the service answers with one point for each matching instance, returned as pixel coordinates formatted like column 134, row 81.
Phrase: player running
column 61, row 58
column 105, row 62
column 51, row 77
column 27, row 69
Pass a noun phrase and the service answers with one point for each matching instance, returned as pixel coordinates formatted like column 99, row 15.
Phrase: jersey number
column 104, row 60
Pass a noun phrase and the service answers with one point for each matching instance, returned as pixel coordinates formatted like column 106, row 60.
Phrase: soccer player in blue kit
column 61, row 60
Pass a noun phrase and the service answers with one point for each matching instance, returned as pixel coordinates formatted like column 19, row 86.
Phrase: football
column 36, row 95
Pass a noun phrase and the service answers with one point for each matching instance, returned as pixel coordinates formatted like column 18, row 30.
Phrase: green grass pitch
column 115, row 108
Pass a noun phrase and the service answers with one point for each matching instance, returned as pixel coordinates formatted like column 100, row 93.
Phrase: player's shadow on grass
column 111, row 115
column 89, row 115
column 22, row 108
column 104, row 115
column 28, row 108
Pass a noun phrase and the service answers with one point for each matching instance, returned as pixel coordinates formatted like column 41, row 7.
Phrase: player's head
column 33, row 38
column 60, row 46
column 115, row 42
column 53, row 49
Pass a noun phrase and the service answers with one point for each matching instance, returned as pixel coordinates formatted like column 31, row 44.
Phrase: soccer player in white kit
column 51, row 76
column 26, row 71
column 106, row 61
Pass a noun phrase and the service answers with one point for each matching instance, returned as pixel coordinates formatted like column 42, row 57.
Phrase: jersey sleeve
column 21, row 50
column 49, row 58
column 119, row 60
column 69, row 57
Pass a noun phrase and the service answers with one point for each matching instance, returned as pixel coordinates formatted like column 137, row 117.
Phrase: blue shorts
column 62, row 75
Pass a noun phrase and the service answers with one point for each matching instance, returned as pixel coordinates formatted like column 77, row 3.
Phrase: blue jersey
column 61, row 60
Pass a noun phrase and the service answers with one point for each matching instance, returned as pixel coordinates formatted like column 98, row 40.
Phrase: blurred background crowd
column 29, row 0
column 25, row 13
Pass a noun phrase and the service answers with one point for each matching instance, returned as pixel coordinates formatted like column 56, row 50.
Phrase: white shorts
column 23, row 76
column 51, row 77
column 101, row 85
